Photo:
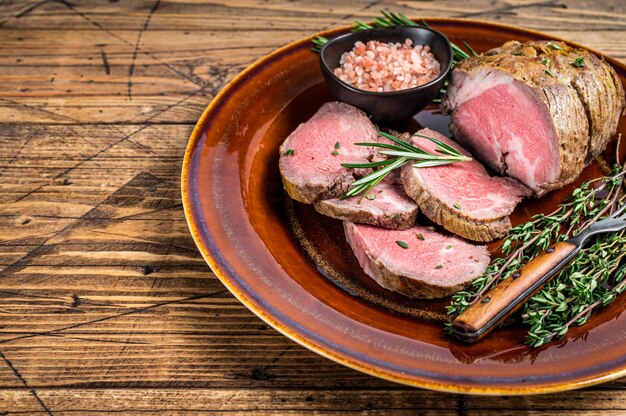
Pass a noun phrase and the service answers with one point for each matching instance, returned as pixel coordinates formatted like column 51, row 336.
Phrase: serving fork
column 507, row 297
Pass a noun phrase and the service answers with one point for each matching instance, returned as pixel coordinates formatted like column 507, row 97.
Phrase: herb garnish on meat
column 402, row 244
column 400, row 153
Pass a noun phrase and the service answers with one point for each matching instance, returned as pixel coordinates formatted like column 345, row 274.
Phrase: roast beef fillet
column 387, row 205
column 537, row 111
column 432, row 266
column 462, row 197
column 310, row 158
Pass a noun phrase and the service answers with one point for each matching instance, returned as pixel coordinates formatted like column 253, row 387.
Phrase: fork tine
column 619, row 211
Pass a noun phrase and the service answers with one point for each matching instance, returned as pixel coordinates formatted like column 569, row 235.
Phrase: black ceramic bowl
column 394, row 106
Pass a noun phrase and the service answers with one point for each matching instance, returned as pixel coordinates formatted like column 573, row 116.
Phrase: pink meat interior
column 466, row 186
column 430, row 256
column 508, row 127
column 324, row 142
column 387, row 200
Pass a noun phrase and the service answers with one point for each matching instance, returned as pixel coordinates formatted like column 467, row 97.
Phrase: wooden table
column 105, row 303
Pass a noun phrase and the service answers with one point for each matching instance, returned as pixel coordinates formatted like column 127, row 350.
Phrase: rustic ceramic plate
column 292, row 267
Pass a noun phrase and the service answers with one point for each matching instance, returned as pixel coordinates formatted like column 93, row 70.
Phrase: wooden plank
column 400, row 400
column 95, row 84
column 65, row 165
column 259, row 401
column 308, row 16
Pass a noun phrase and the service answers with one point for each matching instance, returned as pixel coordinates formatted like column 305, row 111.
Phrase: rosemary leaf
column 445, row 148
column 382, row 22
column 367, row 165
column 432, row 163
column 401, row 142
column 459, row 53
column 469, row 48
column 382, row 145
column 361, row 26
column 409, row 22
column 380, row 173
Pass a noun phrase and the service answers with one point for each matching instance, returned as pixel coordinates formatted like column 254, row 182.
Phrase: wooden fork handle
column 500, row 302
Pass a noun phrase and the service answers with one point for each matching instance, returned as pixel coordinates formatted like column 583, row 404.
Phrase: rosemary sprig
column 399, row 154
column 318, row 42
column 390, row 19
column 594, row 278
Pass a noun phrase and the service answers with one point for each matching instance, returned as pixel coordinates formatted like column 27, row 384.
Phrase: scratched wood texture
column 105, row 304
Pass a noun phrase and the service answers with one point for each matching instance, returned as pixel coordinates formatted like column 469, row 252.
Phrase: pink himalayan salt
column 383, row 67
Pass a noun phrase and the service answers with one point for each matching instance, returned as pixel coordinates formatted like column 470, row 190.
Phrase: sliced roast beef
column 462, row 197
column 311, row 157
column 387, row 205
column 417, row 262
column 538, row 111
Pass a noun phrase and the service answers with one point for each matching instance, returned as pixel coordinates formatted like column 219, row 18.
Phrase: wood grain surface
column 105, row 304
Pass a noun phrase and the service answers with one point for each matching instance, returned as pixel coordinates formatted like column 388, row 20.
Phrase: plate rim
column 222, row 275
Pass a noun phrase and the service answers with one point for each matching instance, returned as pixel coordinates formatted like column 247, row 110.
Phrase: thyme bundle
column 594, row 277
column 399, row 154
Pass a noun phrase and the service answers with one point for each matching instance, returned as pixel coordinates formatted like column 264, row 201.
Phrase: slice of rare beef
column 431, row 266
column 538, row 111
column 462, row 197
column 311, row 157
column 387, row 205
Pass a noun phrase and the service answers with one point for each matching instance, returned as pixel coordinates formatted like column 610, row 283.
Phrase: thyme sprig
column 594, row 277
column 399, row 154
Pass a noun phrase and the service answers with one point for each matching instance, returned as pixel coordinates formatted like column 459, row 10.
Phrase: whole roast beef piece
column 387, row 205
column 418, row 262
column 462, row 197
column 311, row 157
column 537, row 111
